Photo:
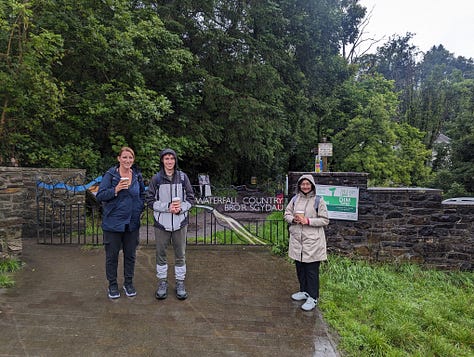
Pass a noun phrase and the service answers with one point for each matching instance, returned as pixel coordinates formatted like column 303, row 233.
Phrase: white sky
column 434, row 22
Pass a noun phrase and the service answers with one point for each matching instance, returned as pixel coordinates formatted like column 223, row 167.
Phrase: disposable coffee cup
column 299, row 214
column 176, row 201
column 126, row 180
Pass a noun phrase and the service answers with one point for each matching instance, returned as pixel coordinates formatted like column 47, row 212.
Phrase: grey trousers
column 178, row 240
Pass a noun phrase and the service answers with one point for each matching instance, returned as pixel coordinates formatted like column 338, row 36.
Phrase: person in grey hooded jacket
column 170, row 195
column 307, row 217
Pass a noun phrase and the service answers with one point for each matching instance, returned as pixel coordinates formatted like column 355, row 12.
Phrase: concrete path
column 239, row 305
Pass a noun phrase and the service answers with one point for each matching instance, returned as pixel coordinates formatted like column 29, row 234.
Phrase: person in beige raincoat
column 307, row 216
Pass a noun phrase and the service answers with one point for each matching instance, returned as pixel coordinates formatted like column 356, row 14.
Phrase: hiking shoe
column 300, row 296
column 310, row 304
column 113, row 292
column 129, row 290
column 181, row 293
column 162, row 291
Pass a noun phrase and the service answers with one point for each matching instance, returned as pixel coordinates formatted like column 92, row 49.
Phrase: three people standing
column 170, row 195
column 122, row 194
column 307, row 216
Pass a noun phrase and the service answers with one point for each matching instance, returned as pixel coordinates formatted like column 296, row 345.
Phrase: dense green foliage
column 398, row 310
column 237, row 88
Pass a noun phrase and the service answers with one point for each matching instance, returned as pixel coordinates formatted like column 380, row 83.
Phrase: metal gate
column 68, row 213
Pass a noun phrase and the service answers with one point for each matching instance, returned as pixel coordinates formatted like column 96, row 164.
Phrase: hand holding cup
column 299, row 217
column 175, row 206
column 124, row 183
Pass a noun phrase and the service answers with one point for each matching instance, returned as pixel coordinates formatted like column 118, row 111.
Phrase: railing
column 80, row 223
column 68, row 213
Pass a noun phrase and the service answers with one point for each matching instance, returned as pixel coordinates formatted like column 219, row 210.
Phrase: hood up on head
column 308, row 177
column 165, row 152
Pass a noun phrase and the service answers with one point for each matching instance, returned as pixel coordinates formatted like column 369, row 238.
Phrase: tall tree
column 391, row 152
column 242, row 91
column 114, row 56
column 31, row 97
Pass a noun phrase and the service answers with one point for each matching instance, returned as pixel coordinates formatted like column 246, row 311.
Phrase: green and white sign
column 342, row 202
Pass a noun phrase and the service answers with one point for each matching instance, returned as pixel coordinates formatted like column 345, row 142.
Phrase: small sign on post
column 324, row 150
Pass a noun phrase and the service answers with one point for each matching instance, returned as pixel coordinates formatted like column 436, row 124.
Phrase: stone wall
column 18, row 195
column 394, row 224
column 400, row 224
column 12, row 198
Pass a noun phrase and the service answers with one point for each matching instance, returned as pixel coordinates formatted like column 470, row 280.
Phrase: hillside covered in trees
column 237, row 88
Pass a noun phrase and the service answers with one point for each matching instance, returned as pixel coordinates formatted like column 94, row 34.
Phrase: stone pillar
column 12, row 194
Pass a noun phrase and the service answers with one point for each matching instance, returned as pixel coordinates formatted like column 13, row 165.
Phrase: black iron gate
column 73, row 216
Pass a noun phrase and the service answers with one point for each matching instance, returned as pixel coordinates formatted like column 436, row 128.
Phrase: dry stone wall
column 394, row 224
column 400, row 224
column 18, row 204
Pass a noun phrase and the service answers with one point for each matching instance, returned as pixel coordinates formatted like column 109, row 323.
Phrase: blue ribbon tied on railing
column 62, row 185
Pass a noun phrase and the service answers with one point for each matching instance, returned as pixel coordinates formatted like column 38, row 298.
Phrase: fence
column 74, row 217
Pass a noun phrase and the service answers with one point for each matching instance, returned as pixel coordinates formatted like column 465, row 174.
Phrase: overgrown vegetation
column 239, row 89
column 7, row 266
column 398, row 310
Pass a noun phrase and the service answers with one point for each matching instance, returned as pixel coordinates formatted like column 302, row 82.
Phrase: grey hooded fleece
column 161, row 191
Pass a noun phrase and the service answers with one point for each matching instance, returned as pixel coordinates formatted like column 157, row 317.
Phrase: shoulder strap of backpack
column 316, row 203
column 293, row 199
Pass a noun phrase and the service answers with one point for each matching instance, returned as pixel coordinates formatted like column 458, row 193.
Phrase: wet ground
column 239, row 305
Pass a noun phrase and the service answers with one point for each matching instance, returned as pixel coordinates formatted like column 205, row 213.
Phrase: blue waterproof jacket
column 126, row 207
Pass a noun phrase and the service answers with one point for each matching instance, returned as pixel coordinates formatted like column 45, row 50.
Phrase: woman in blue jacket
column 122, row 194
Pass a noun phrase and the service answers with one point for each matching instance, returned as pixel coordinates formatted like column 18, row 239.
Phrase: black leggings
column 308, row 276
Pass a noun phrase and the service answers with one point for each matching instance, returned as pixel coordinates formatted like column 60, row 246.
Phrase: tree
column 30, row 95
column 392, row 153
column 113, row 54
column 354, row 21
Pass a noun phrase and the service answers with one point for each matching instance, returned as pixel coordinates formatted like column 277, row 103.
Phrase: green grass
column 8, row 266
column 269, row 228
column 398, row 310
column 394, row 309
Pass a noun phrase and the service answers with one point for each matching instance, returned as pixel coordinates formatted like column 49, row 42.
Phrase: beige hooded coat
column 307, row 242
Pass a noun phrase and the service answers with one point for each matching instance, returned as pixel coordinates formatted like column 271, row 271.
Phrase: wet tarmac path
column 239, row 305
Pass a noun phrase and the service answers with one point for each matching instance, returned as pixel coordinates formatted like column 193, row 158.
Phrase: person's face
column 169, row 161
column 305, row 186
column 126, row 159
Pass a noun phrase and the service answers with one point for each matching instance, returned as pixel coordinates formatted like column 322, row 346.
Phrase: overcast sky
column 434, row 22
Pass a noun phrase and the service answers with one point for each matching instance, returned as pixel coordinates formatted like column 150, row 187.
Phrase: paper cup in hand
column 176, row 202
column 299, row 214
column 126, row 180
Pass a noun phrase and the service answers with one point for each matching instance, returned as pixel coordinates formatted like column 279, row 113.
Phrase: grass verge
column 398, row 310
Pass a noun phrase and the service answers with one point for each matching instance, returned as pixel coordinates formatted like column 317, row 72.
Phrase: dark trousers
column 113, row 242
column 308, row 276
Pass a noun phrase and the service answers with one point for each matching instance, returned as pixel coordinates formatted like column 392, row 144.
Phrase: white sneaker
column 310, row 304
column 300, row 296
